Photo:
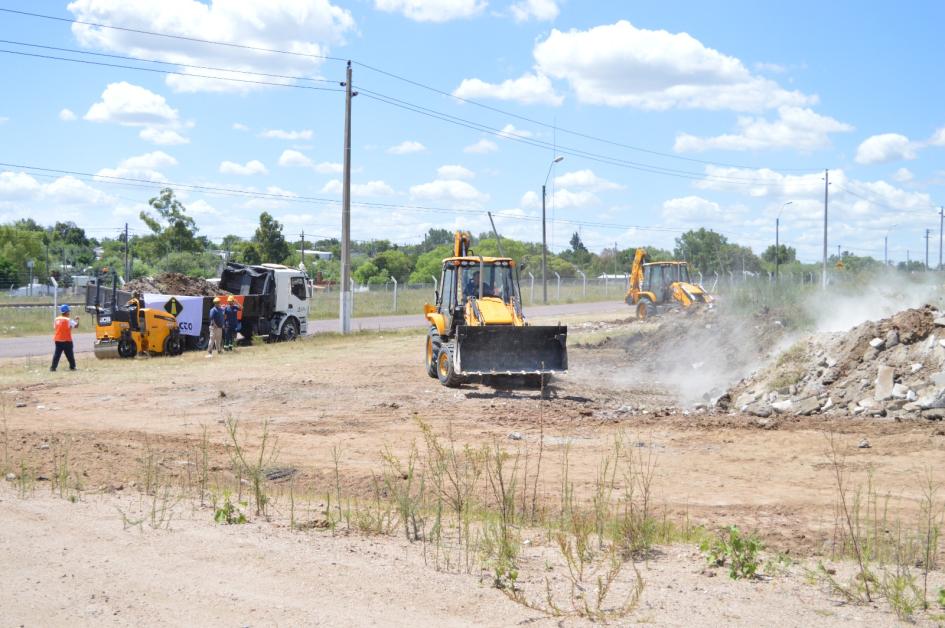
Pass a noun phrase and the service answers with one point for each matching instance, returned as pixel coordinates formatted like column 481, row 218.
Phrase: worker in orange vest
column 63, row 336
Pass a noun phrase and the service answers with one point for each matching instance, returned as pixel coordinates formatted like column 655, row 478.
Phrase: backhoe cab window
column 497, row 281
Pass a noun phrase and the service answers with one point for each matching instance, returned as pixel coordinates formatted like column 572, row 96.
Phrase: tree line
column 173, row 243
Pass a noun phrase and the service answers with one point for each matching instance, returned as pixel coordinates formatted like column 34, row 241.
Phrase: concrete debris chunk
column 782, row 406
column 899, row 391
column 807, row 406
column 892, row 338
column 940, row 321
column 864, row 444
column 885, row 377
column 915, row 367
column 877, row 343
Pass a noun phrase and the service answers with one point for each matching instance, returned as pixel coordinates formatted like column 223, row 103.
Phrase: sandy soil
column 770, row 477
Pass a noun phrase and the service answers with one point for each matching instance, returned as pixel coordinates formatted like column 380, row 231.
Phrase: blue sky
column 669, row 116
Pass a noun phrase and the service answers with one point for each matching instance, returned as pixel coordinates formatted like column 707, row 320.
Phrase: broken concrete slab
column 899, row 391
column 885, row 378
column 806, row 406
column 782, row 406
column 877, row 343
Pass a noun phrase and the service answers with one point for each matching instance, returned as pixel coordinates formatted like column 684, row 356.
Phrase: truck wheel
column 445, row 368
column 433, row 350
column 173, row 344
column 201, row 342
column 290, row 331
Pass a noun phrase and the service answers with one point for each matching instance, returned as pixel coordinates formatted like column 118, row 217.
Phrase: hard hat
column 230, row 299
column 216, row 299
column 64, row 308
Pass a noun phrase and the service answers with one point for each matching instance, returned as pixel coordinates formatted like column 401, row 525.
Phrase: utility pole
column 346, row 300
column 777, row 250
column 544, row 248
column 839, row 256
column 927, row 234
column 127, row 245
column 303, row 247
column 824, row 274
column 941, row 223
column 615, row 261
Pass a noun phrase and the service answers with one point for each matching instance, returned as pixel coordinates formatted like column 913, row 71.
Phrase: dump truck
column 274, row 303
column 659, row 286
column 477, row 327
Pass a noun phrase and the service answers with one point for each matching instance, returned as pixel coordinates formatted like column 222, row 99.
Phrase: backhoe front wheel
column 644, row 309
column 445, row 368
column 432, row 352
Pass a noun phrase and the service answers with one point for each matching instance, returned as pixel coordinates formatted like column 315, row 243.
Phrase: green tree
column 430, row 263
column 394, row 263
column 173, row 229
column 269, row 240
column 8, row 274
column 783, row 254
column 436, row 238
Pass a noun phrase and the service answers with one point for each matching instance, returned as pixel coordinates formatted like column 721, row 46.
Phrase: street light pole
column 544, row 241
column 777, row 244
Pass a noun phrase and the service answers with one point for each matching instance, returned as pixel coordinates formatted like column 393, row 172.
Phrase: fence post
column 55, row 299
column 531, row 297
column 394, row 279
column 606, row 285
column 700, row 277
column 558, row 291
column 436, row 283
column 715, row 284
column 583, row 284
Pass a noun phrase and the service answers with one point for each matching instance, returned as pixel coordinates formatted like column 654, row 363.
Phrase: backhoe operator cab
column 477, row 326
column 655, row 286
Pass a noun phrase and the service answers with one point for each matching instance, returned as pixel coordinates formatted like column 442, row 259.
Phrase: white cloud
column 690, row 209
column 132, row 105
column 624, row 66
column 482, row 147
column 886, row 147
column 560, row 199
column 541, row 10
column 307, row 27
column 4, row 119
column 200, row 207
column 773, row 68
column 279, row 134
column 406, row 147
column 19, row 187
column 796, row 127
column 327, row 167
column 67, row 115
column 152, row 160
column 144, row 174
column 449, row 191
column 432, row 10
column 291, row 157
column 509, row 130
column 938, row 138
column 585, row 179
column 454, row 172
column 903, row 175
column 249, row 168
column 766, row 182
column 239, row 126
column 162, row 137
column 371, row 188
column 528, row 89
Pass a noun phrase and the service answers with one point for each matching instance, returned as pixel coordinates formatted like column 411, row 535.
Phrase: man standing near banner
column 62, row 336
column 217, row 321
column 232, row 314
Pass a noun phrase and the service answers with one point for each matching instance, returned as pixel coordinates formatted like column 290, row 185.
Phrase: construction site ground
column 65, row 561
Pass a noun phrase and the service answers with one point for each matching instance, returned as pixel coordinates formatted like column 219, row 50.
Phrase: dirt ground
column 364, row 394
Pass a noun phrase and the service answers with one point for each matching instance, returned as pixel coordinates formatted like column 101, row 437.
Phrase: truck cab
column 276, row 299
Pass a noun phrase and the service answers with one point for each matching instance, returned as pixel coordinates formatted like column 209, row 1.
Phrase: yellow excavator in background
column 477, row 326
column 656, row 286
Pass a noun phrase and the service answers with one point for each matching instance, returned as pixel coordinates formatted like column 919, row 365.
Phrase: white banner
column 188, row 310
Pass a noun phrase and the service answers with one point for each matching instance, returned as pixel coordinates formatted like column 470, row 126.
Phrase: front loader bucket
column 506, row 349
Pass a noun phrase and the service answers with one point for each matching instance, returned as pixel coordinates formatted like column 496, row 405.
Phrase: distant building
column 325, row 255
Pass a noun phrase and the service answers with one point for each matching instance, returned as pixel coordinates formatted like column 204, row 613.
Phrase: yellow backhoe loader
column 657, row 286
column 477, row 326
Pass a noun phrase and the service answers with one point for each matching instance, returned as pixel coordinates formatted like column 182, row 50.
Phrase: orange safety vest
column 63, row 326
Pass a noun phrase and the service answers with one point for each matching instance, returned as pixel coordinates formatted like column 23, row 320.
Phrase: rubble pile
column 174, row 283
column 894, row 367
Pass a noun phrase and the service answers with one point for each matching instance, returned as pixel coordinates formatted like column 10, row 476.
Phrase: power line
column 179, row 37
column 182, row 65
column 159, row 71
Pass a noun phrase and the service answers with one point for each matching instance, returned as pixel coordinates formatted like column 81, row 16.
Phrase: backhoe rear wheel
column 432, row 351
column 645, row 309
column 445, row 368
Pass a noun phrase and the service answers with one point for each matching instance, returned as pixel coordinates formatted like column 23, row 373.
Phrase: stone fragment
column 10, row 477
column 911, row 396
column 899, row 391
column 892, row 338
column 827, row 404
column 915, row 367
column 831, row 362
column 933, row 414
column 933, row 400
column 830, row 376
column 516, row 436
column 782, row 406
column 864, row 444
column 806, row 406
column 877, row 343
column 867, row 403
column 870, row 354
column 938, row 379
column 940, row 321
column 885, row 377
column 759, row 409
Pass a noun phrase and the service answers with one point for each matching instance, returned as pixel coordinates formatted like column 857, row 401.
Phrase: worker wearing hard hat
column 217, row 321
column 232, row 324
column 62, row 335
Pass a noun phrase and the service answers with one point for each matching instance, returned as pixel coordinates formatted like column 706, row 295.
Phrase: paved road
column 42, row 345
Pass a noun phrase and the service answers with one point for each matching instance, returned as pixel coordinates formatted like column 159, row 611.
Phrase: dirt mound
column 175, row 283
column 892, row 367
